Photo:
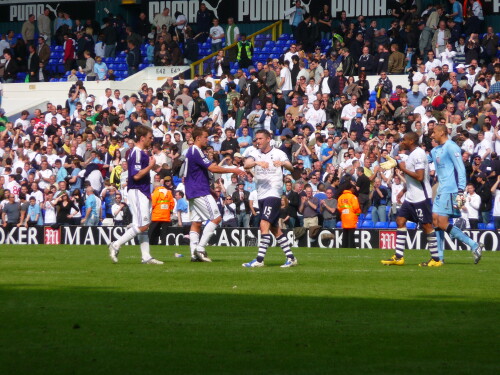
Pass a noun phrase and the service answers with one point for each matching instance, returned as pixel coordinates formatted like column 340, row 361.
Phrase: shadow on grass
column 77, row 331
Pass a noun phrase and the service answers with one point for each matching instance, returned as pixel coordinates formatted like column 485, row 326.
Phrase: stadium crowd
column 66, row 163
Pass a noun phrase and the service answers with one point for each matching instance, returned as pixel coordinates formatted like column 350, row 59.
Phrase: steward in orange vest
column 163, row 203
column 348, row 207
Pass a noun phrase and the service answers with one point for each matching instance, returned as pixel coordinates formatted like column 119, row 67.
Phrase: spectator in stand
column 89, row 68
column 110, row 38
column 28, row 30
column 216, row 34
column 100, row 69
column 182, row 210
column 379, row 196
column 133, row 58
column 328, row 209
column 229, row 219
column 11, row 213
column 163, row 19
column 33, row 214
column 10, row 67
column 43, row 23
column 309, row 208
column 69, row 52
column 241, row 201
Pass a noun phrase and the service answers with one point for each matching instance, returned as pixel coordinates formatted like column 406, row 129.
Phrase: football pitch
column 69, row 310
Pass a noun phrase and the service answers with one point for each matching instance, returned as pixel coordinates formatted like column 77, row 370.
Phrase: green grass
column 68, row 310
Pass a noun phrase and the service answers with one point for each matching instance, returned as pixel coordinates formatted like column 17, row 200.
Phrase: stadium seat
column 490, row 226
column 361, row 217
column 481, row 226
column 339, row 224
column 411, row 225
column 368, row 216
column 393, row 224
column 370, row 209
column 381, row 224
column 367, row 224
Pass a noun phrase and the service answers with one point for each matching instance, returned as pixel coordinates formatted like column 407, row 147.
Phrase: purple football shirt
column 137, row 160
column 197, row 181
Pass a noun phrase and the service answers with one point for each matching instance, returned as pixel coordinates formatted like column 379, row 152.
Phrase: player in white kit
column 417, row 206
column 269, row 163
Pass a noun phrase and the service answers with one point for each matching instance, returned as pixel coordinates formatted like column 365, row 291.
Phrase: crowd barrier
column 235, row 237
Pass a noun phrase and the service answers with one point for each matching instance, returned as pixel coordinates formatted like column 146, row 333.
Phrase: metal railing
column 276, row 30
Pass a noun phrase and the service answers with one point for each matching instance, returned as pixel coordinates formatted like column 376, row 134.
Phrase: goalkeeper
column 449, row 200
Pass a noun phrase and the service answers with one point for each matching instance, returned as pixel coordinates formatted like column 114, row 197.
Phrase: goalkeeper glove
column 460, row 199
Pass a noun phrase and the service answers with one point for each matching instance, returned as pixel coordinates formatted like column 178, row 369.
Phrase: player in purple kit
column 202, row 205
column 139, row 196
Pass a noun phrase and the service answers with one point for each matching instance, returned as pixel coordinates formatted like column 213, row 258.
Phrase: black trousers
column 157, row 230
column 473, row 223
column 348, row 238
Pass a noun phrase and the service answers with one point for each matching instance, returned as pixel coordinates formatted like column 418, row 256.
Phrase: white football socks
column 144, row 242
column 207, row 233
column 129, row 234
column 194, row 239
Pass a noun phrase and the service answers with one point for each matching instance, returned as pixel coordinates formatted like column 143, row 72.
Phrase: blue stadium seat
column 339, row 224
column 361, row 217
column 481, row 226
column 367, row 224
column 393, row 224
column 381, row 224
column 411, row 225
column 370, row 209
column 368, row 216
column 490, row 226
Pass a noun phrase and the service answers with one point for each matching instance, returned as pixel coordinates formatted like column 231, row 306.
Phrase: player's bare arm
column 418, row 175
column 250, row 163
column 214, row 168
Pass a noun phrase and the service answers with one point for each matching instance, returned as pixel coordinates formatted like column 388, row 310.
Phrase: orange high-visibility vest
column 348, row 207
column 163, row 203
